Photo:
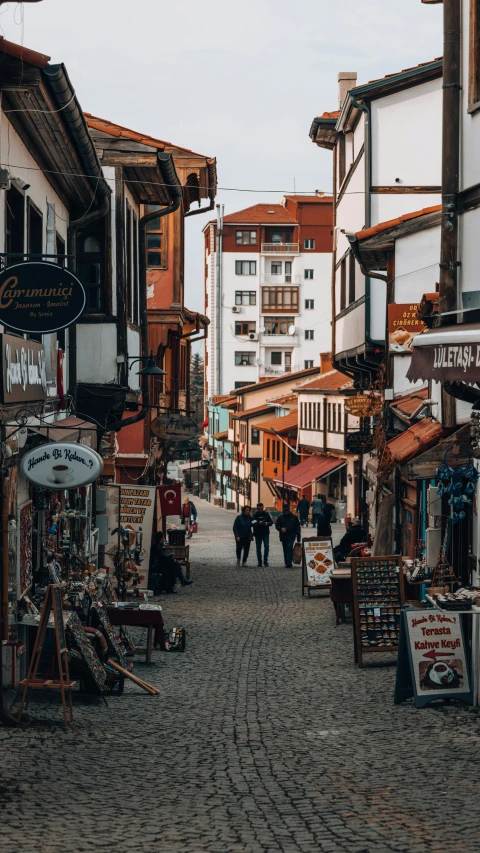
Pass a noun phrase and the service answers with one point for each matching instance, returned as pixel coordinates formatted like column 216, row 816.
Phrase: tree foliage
column 197, row 392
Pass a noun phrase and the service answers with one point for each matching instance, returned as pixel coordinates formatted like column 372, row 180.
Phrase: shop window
column 474, row 57
column 156, row 236
column 14, row 225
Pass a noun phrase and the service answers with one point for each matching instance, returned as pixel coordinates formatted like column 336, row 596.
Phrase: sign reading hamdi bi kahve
column 62, row 465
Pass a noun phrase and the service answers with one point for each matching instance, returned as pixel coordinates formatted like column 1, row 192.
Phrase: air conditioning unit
column 235, row 309
column 253, row 336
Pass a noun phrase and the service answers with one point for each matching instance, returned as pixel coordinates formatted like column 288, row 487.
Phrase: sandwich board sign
column 318, row 563
column 431, row 658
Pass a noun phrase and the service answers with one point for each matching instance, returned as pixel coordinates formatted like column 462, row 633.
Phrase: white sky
column 240, row 81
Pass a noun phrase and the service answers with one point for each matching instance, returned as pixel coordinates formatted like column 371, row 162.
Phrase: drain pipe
column 219, row 295
column 168, row 169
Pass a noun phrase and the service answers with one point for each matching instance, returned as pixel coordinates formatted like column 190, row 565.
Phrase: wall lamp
column 150, row 368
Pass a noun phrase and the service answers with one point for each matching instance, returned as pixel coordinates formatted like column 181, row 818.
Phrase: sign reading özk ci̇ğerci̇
column 39, row 297
column 61, row 465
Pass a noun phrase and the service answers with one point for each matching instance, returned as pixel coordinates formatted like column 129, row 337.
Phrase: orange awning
column 311, row 469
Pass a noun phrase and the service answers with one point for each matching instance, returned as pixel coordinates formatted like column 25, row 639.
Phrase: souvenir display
column 109, row 631
column 25, row 524
column 90, row 657
column 378, row 598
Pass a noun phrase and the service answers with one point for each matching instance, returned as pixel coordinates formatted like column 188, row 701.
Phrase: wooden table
column 152, row 620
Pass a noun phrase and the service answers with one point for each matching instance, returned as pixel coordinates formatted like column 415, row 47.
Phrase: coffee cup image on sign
column 60, row 474
column 440, row 675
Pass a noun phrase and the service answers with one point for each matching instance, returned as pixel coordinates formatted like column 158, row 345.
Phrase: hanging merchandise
column 459, row 484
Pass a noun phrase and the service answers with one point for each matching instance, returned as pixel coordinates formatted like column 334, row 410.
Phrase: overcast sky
column 240, row 81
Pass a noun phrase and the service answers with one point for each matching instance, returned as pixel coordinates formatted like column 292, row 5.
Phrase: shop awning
column 76, row 430
column 311, row 469
column 415, row 440
column 446, row 354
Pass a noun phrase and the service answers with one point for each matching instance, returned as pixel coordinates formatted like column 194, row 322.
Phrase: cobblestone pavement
column 265, row 737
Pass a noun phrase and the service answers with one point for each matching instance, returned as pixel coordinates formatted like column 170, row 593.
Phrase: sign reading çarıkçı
column 23, row 370
column 62, row 465
column 39, row 297
column 173, row 427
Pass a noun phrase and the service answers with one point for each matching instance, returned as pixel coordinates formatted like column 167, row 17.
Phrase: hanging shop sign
column 174, row 427
column 23, row 370
column 37, row 297
column 431, row 658
column 358, row 442
column 318, row 563
column 403, row 325
column 363, row 405
column 445, row 363
column 62, row 465
column 130, row 509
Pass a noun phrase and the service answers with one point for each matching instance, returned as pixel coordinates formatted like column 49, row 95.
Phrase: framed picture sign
column 378, row 598
column 317, row 563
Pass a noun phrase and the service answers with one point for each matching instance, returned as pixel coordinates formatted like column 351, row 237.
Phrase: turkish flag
column 170, row 500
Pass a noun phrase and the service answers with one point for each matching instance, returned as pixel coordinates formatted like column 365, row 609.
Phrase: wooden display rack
column 53, row 601
column 374, row 600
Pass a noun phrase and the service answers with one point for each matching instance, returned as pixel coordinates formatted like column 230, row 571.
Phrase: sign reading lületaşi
column 39, row 297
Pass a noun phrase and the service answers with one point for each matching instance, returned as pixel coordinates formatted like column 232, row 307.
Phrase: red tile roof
column 278, row 380
column 18, row 51
column 261, row 214
column 318, row 198
column 311, row 469
column 257, row 410
column 331, row 381
column 120, row 131
column 418, row 438
column 221, row 398
column 283, row 424
column 334, row 114
column 404, row 70
column 391, row 223
column 409, row 403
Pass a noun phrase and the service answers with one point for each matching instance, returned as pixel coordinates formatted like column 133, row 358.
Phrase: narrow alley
column 265, row 737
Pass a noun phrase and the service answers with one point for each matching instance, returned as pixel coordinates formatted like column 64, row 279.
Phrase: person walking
column 262, row 522
column 288, row 527
column 324, row 524
column 242, row 529
column 317, row 510
column 303, row 508
column 189, row 514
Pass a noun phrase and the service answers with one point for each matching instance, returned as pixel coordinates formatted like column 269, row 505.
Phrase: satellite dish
column 258, row 361
column 291, row 330
column 262, row 330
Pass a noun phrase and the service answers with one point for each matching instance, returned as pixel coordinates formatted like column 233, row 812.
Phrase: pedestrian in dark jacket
column 288, row 526
column 242, row 528
column 353, row 536
column 303, row 507
column 317, row 510
column 164, row 568
column 324, row 525
column 262, row 522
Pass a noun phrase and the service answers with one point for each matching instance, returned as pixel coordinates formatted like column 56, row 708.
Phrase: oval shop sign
column 39, row 297
column 62, row 465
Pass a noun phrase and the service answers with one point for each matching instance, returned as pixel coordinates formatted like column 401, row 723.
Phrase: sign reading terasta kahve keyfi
column 40, row 297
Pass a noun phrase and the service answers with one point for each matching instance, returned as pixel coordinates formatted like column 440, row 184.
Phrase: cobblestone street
column 265, row 737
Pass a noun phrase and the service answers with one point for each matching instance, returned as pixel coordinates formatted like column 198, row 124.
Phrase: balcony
column 280, row 248
column 288, row 278
column 276, row 341
column 280, row 300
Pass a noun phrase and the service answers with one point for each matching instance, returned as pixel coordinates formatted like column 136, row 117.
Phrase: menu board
column 378, row 596
column 431, row 658
column 317, row 563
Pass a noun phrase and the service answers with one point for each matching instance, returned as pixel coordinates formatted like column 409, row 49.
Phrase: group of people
column 248, row 527
column 322, row 514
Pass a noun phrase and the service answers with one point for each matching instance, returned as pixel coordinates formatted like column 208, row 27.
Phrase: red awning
column 311, row 469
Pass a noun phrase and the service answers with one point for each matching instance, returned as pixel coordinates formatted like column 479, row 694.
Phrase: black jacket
column 303, row 506
column 292, row 525
column 262, row 529
column 353, row 535
column 242, row 526
column 192, row 510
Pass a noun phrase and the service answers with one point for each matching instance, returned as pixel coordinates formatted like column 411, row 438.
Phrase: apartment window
column 309, row 334
column 156, row 234
column 241, row 384
column 91, row 264
column 308, row 363
column 277, row 325
column 343, row 284
column 245, row 238
column 267, row 452
column 276, row 268
column 276, row 358
column 351, row 279
column 474, row 57
column 276, row 237
column 309, row 304
column 309, row 244
column 244, row 359
column 288, row 362
column 34, row 230
column 255, row 436
column 14, row 225
column 308, row 274
column 245, row 297
column 245, row 267
column 280, row 299
column 245, row 328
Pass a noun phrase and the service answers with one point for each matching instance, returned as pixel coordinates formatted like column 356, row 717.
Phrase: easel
column 53, row 600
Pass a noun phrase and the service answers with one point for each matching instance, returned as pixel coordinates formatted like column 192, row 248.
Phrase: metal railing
column 281, row 248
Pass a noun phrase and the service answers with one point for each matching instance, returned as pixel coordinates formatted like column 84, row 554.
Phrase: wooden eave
column 40, row 126
column 375, row 251
column 140, row 164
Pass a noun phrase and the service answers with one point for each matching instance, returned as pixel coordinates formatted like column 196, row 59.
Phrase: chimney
column 325, row 362
column 346, row 80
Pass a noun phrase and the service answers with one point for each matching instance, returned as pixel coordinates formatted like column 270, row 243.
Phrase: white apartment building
column 267, row 291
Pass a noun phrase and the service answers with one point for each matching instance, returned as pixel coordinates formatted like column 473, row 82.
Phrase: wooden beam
column 110, row 157
column 399, row 189
column 425, row 466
